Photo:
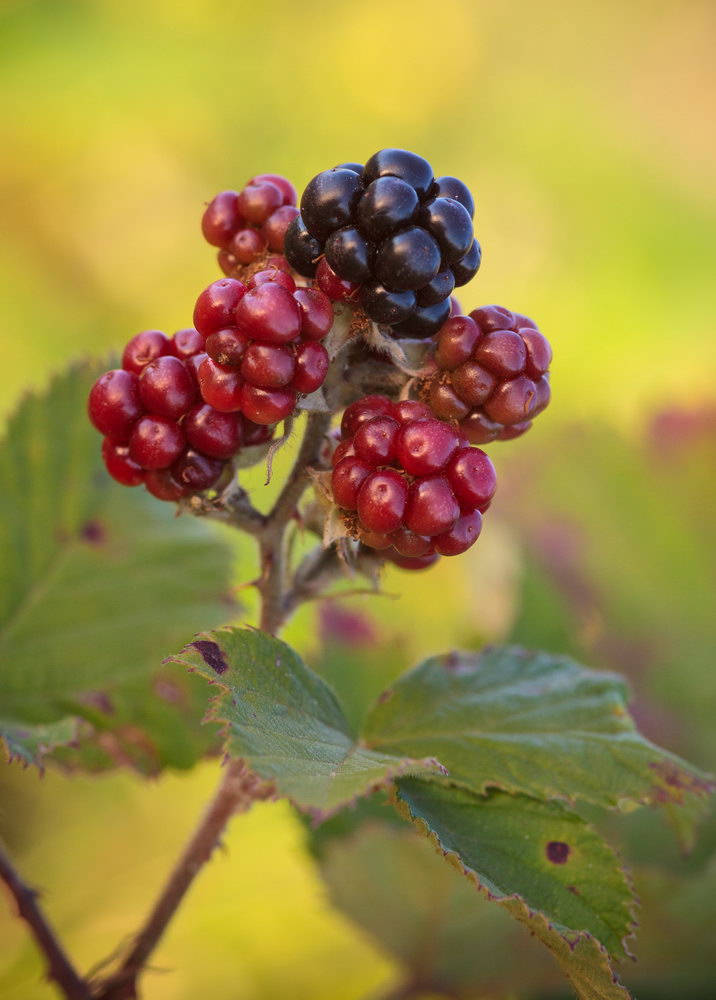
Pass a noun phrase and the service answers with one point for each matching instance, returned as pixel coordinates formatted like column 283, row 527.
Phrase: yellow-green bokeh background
column 585, row 130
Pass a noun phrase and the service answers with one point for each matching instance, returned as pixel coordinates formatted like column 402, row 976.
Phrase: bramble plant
column 498, row 759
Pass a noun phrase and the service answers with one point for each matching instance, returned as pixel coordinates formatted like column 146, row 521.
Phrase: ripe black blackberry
column 492, row 374
column 389, row 237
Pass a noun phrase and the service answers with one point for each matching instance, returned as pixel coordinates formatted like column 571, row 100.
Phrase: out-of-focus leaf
column 543, row 864
column 532, row 723
column 97, row 582
column 287, row 723
column 445, row 935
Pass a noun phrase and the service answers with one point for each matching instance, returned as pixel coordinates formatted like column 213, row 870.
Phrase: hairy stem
column 238, row 790
column 59, row 968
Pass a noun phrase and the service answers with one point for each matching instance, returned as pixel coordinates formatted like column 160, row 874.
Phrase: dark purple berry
column 407, row 260
column 349, row 254
column 386, row 205
column 328, row 202
column 451, row 226
column 302, row 250
column 384, row 306
column 400, row 163
column 467, row 267
column 424, row 321
column 451, row 187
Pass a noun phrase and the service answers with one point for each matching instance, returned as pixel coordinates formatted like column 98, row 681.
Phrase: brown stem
column 238, row 790
column 275, row 605
column 59, row 967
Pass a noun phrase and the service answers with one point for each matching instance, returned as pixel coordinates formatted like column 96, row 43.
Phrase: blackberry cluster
column 492, row 374
column 157, row 429
column 249, row 223
column 408, row 484
column 262, row 344
column 388, row 236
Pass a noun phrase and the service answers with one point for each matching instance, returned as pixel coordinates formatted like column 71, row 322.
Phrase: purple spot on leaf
column 385, row 696
column 212, row 655
column 557, row 852
column 93, row 532
column 574, row 889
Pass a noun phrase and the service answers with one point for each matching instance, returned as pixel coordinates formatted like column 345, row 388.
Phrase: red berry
column 478, row 428
column 272, row 274
column 215, row 307
column 375, row 540
column 493, row 318
column 381, row 501
column 274, row 229
column 266, row 406
column 119, row 465
column 220, row 387
column 227, row 262
column 143, row 348
column 114, row 404
column 514, row 431
column 424, row 447
column 375, row 440
column 269, row 366
column 463, row 534
column 196, row 472
column 432, row 508
column 456, row 341
column 445, row 402
column 255, row 433
column 285, row 186
column 247, row 244
column 212, row 432
column 407, row 543
column 344, row 449
column 156, row 442
column 162, row 485
column 316, row 312
column 539, row 352
column 513, row 401
column 347, row 479
column 472, row 383
column 257, row 201
column 227, row 347
column 221, row 219
column 419, row 562
column 409, row 409
column 334, row 287
column 312, row 363
column 362, row 410
column 187, row 343
column 193, row 364
column 269, row 312
column 542, row 395
column 502, row 352
column 472, row 478
column 166, row 388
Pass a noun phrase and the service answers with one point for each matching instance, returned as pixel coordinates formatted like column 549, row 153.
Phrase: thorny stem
column 238, row 790
column 59, row 967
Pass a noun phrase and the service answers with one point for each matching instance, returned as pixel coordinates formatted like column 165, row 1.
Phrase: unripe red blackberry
column 408, row 484
column 158, row 430
column 388, row 236
column 262, row 344
column 492, row 375
column 245, row 224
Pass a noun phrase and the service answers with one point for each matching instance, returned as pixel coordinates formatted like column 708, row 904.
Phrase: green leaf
column 286, row 722
column 97, row 582
column 445, row 935
column 543, row 864
column 529, row 722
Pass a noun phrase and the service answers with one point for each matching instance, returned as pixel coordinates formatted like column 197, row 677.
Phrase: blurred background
column 586, row 133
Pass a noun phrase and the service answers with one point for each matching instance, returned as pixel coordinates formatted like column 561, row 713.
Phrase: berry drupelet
column 408, row 484
column 387, row 236
column 157, row 429
column 492, row 375
column 250, row 224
